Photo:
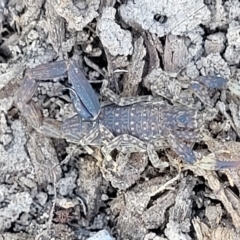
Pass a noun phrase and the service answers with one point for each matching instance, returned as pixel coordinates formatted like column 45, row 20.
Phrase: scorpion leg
column 202, row 84
column 88, row 139
column 182, row 150
column 153, row 156
column 211, row 162
column 213, row 82
column 122, row 101
column 106, row 135
column 172, row 88
column 201, row 92
column 189, row 136
column 126, row 143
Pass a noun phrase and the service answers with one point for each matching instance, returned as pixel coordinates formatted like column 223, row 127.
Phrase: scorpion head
column 75, row 128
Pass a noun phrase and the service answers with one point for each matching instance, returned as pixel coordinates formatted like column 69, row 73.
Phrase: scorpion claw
column 26, row 91
column 32, row 114
column 47, row 71
column 84, row 98
column 51, row 128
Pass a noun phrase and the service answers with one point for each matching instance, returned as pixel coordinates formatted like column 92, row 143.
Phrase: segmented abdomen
column 147, row 121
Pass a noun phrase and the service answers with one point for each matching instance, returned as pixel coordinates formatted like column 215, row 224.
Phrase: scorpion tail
column 211, row 162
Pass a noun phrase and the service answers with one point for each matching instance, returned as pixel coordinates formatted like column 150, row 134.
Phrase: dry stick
column 65, row 161
column 54, row 201
column 47, row 233
column 185, row 19
column 170, row 182
column 165, row 185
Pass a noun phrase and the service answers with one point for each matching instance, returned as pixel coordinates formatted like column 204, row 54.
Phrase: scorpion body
column 131, row 125
column 147, row 121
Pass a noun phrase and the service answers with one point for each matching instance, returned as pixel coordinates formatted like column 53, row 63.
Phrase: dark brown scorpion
column 133, row 124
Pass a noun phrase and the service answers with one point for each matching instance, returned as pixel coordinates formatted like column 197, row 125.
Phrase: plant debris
column 53, row 189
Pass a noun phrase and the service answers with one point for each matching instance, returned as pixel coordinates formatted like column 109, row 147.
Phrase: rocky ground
column 52, row 189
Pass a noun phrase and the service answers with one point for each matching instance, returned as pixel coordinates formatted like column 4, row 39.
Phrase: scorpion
column 130, row 124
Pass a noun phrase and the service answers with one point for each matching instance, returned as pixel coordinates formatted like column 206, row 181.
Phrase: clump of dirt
column 54, row 189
